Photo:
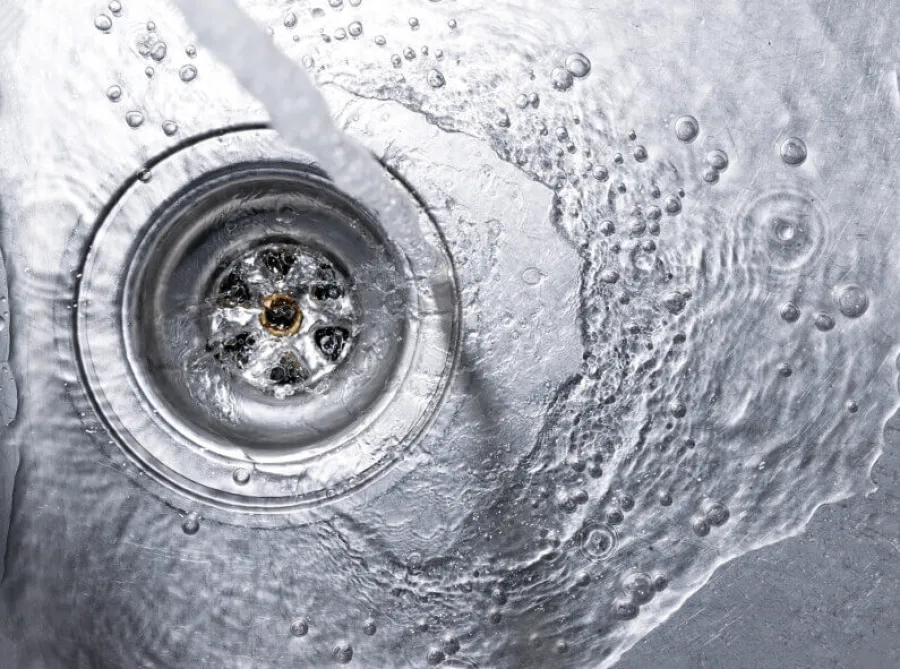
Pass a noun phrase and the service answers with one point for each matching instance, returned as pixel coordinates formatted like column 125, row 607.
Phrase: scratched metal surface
column 471, row 551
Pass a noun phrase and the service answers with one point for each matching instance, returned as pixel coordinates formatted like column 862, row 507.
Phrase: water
column 677, row 337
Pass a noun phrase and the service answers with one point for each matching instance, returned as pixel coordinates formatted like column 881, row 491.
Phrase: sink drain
column 264, row 323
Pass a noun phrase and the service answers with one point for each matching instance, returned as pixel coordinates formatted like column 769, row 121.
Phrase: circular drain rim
column 285, row 484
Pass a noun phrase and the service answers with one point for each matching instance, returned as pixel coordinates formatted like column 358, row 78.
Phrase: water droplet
column 149, row 71
column 435, row 79
column 158, row 52
column 413, row 23
column 502, row 118
column 677, row 408
column 145, row 176
column 785, row 370
column 452, row 24
column 169, row 128
column 609, row 276
column 561, row 79
column 308, row 62
column 340, row 34
column 191, row 51
column 299, row 627
column 187, row 73
column 824, row 322
column 241, row 476
column 534, row 100
column 290, row 20
column 114, row 93
column 578, row 65
column 607, row 228
column 103, row 23
column 396, row 61
column 522, row 101
column 191, row 524
column 355, row 3
column 380, row 40
column 852, row 406
column 640, row 153
column 687, row 128
column 115, row 7
column 151, row 26
column 495, row 616
column 717, row 159
column 598, row 542
column 562, row 647
column 342, row 652
column 793, row 151
column 336, row 4
column 369, row 627
column 625, row 609
column 790, row 312
column 409, row 53
column 435, row 656
column 134, row 119
column 852, row 300
column 355, row 29
column 665, row 499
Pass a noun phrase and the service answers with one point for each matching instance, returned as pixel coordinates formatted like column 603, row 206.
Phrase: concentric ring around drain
column 352, row 345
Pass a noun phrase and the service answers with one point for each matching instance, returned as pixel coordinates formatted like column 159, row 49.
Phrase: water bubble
column 355, row 3
column 793, row 151
column 191, row 51
column 498, row 596
column 710, row 175
column 495, row 616
column 290, row 20
column 435, row 79
column 614, row 517
column 355, row 29
column 134, row 119
column 380, row 40
column 370, row 627
column 600, row 173
column 597, row 541
column 609, row 276
column 561, row 79
column 717, row 159
column 700, row 526
column 451, row 644
column 409, row 53
column 336, row 4
column 502, row 118
column 149, row 71
column 852, row 300
column 625, row 609
column 639, row 587
column 158, row 52
column 308, row 62
column 626, row 502
column 672, row 205
column 789, row 312
column 439, row 54
column 145, row 176
column 396, row 60
column 687, row 128
column 299, row 627
column 340, row 34
column 660, row 582
column 342, row 652
column 169, row 128
column 413, row 23
column 785, row 370
column 665, row 499
column 607, row 228
column 191, row 524
column 522, row 101
column 583, row 579
column 640, row 153
column 823, row 322
column 562, row 134
column 716, row 513
column 114, row 93
column 578, row 65
column 852, row 406
column 241, row 476
column 674, row 302
column 187, row 73
column 424, row 50
column 677, row 408
column 422, row 625
column 562, row 647
column 435, row 656
column 452, row 24
column 103, row 23
column 115, row 7
column 151, row 27
column 531, row 276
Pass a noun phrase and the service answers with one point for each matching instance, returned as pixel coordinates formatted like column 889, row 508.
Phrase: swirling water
column 726, row 225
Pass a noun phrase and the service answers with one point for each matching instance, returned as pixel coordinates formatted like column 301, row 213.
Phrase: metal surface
column 619, row 322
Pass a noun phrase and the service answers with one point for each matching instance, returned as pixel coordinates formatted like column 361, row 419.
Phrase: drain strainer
column 253, row 337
